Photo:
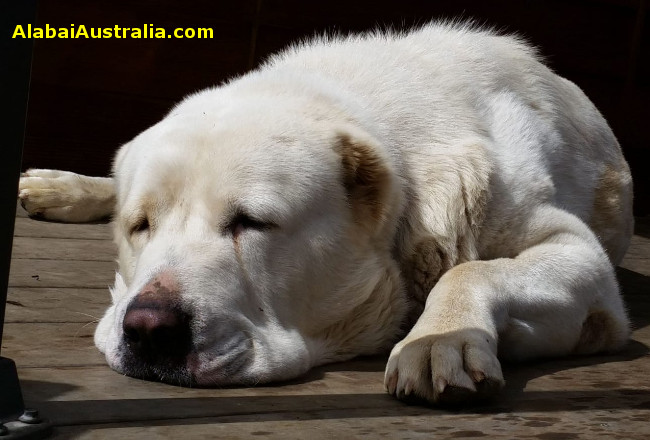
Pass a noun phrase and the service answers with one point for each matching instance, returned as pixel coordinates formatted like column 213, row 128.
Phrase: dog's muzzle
column 156, row 334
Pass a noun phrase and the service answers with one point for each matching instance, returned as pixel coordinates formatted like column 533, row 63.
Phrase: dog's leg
column 558, row 296
column 65, row 196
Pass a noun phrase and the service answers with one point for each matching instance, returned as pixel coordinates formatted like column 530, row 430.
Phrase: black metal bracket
column 15, row 67
column 16, row 422
column 11, row 402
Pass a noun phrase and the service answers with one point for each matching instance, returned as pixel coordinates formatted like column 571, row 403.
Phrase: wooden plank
column 26, row 227
column 20, row 212
column 63, row 374
column 96, row 382
column 639, row 247
column 638, row 265
column 589, row 388
column 53, row 273
column 71, row 249
column 403, row 423
column 51, row 345
column 642, row 226
column 635, row 287
column 363, row 376
column 37, row 304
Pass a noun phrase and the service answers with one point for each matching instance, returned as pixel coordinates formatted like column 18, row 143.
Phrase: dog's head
column 254, row 243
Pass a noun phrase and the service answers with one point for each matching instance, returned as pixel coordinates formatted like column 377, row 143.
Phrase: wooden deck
column 58, row 290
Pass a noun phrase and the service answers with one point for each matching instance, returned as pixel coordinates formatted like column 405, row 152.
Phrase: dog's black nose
column 156, row 329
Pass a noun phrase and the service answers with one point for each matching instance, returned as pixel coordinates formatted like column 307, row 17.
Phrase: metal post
column 15, row 68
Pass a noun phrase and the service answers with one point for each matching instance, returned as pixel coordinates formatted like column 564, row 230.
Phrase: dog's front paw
column 448, row 369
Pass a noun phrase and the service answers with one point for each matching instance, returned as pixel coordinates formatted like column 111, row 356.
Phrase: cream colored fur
column 441, row 189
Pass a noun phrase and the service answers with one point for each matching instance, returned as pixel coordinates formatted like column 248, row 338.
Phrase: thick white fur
column 500, row 201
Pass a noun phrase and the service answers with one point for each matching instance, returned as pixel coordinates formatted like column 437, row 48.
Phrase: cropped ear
column 368, row 180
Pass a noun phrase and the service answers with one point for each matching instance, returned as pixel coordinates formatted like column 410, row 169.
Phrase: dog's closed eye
column 142, row 225
column 242, row 222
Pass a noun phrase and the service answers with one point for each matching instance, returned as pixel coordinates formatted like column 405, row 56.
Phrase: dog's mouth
column 157, row 355
column 171, row 371
column 172, row 358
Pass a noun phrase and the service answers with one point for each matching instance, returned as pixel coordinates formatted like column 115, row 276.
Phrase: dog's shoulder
column 448, row 191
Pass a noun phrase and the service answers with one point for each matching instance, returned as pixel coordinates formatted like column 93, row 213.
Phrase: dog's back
column 430, row 90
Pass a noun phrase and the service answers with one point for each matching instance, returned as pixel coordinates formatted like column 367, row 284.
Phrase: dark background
column 88, row 96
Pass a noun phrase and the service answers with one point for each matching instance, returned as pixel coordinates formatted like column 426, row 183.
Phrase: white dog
column 441, row 189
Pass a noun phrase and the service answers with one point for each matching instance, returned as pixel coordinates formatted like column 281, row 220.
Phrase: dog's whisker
column 76, row 334
column 88, row 315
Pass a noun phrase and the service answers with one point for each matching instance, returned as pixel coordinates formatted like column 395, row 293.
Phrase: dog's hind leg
column 65, row 196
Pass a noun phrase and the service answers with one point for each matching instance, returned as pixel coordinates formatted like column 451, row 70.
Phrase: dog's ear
column 367, row 178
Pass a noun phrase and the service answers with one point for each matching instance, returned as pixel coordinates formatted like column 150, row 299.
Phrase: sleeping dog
column 438, row 193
